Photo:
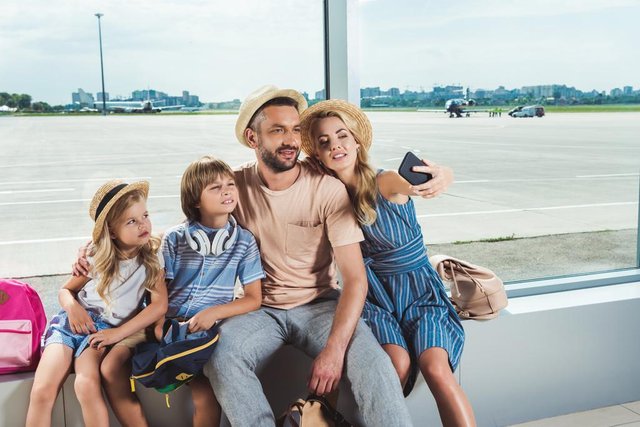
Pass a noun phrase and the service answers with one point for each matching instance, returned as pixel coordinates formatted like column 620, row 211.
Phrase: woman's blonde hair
column 107, row 255
column 364, row 197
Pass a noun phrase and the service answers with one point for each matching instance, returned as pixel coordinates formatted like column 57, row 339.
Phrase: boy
column 203, row 257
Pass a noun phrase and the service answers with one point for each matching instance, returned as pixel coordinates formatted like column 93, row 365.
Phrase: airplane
column 135, row 107
column 456, row 107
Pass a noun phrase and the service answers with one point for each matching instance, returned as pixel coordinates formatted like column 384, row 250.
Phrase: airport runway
column 564, row 173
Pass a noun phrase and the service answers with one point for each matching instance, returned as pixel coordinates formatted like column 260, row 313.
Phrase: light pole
column 104, row 101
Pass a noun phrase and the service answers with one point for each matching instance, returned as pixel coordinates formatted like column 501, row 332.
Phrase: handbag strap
column 450, row 263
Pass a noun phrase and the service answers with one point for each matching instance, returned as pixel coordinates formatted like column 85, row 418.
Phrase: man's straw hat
column 257, row 99
column 106, row 196
column 344, row 109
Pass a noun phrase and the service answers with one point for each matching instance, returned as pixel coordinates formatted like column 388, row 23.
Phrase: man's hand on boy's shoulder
column 81, row 266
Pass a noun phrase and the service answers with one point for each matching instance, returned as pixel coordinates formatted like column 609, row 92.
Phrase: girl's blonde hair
column 107, row 255
column 364, row 197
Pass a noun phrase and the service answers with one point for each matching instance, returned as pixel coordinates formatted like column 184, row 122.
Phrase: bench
column 544, row 356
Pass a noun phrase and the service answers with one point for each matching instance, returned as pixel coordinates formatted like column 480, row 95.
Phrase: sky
column 222, row 49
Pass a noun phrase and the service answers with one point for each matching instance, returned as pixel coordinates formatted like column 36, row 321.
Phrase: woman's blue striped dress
column 407, row 304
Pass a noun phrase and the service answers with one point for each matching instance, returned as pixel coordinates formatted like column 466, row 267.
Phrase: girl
column 101, row 321
column 407, row 306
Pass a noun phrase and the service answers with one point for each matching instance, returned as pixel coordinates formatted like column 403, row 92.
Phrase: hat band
column 107, row 198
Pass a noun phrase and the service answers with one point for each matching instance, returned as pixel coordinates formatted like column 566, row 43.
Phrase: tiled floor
column 627, row 414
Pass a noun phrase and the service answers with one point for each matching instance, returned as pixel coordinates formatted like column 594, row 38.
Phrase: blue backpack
column 175, row 360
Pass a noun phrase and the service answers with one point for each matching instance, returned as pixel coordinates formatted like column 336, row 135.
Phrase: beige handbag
column 476, row 292
column 314, row 411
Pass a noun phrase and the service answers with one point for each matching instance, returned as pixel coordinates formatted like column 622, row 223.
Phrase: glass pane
column 534, row 196
column 51, row 165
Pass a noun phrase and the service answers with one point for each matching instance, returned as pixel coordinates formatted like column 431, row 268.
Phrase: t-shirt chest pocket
column 303, row 243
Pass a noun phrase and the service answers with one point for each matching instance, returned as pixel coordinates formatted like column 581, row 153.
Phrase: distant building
column 394, row 91
column 540, row 91
column 321, row 94
column 82, row 98
column 448, row 92
column 226, row 105
column 99, row 96
column 480, row 94
column 616, row 92
column 551, row 91
column 370, row 92
column 190, row 100
column 627, row 90
column 148, row 95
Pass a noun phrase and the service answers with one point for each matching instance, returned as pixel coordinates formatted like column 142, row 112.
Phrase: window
column 51, row 166
column 534, row 197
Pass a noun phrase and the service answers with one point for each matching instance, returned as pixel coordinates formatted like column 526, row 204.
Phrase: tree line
column 23, row 102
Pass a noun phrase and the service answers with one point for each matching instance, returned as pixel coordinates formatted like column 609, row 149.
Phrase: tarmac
column 559, row 193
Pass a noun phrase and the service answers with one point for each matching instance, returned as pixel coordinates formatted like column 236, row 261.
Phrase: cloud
column 216, row 49
column 221, row 49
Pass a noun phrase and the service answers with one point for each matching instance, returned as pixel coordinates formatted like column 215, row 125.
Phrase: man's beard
column 272, row 161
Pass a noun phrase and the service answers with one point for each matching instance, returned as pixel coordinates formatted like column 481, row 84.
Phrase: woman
column 407, row 306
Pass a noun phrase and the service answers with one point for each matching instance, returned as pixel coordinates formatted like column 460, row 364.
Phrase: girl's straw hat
column 341, row 107
column 106, row 196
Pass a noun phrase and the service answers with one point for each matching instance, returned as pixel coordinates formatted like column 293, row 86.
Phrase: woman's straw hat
column 344, row 109
column 106, row 196
column 257, row 99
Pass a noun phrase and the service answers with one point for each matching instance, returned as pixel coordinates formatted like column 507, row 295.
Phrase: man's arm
column 327, row 367
column 81, row 266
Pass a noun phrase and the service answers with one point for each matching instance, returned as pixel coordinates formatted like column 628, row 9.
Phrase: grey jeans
column 248, row 339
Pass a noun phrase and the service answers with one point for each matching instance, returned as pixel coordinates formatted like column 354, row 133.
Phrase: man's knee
column 229, row 352
column 366, row 357
column 221, row 360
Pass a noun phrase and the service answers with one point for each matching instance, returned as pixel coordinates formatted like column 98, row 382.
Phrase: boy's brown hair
column 196, row 177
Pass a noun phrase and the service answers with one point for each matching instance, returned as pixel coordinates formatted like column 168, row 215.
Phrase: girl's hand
column 442, row 179
column 79, row 320
column 203, row 320
column 105, row 338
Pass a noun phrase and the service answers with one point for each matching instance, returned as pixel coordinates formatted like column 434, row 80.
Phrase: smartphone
column 415, row 178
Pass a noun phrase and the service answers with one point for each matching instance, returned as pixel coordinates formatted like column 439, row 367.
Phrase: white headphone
column 198, row 240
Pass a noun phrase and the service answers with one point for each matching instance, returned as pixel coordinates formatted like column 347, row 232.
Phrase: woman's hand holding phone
column 427, row 178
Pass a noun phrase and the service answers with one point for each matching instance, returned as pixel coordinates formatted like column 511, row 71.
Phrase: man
column 302, row 220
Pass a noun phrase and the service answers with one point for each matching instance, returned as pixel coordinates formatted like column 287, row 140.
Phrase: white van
column 529, row 111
